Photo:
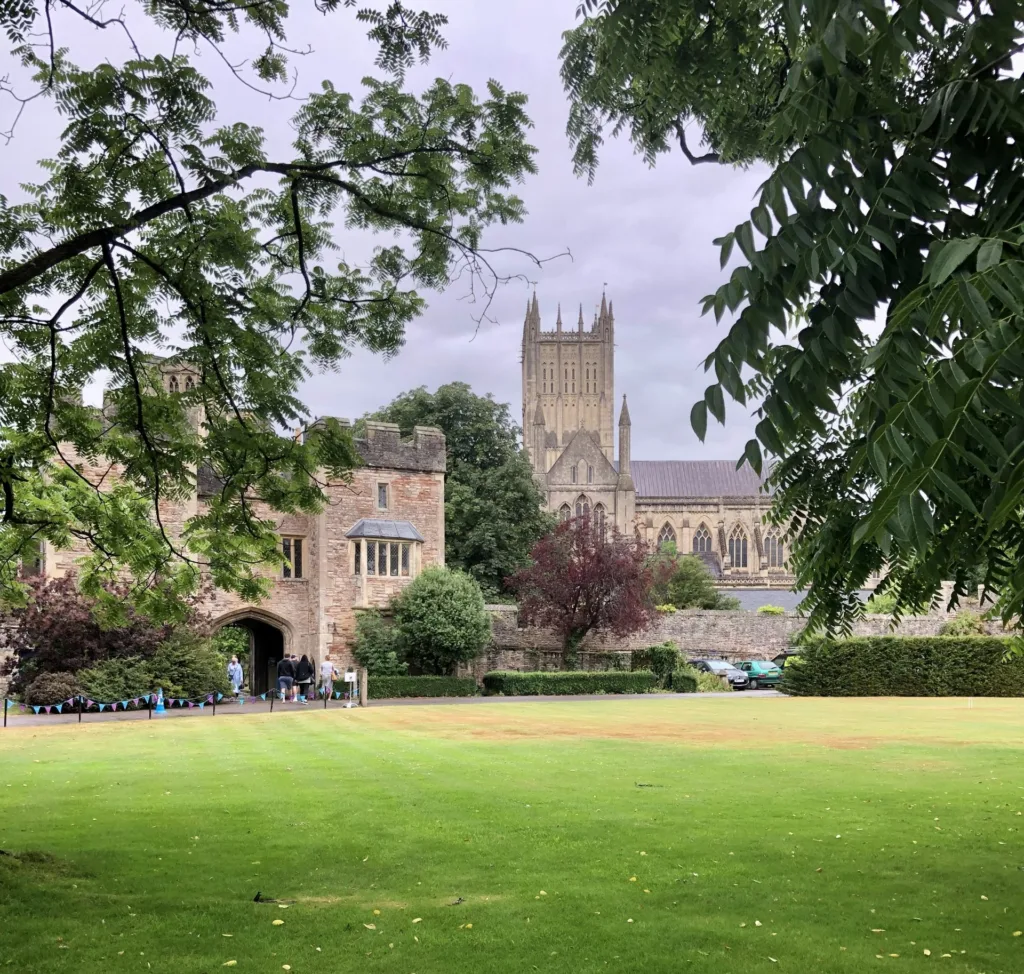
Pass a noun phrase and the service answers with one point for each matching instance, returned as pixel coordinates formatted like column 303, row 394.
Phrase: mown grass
column 736, row 834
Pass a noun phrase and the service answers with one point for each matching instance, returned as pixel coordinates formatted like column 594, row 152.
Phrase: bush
column 906, row 666
column 726, row 603
column 709, row 683
column 513, row 684
column 50, row 688
column 666, row 609
column 385, row 687
column 440, row 621
column 881, row 604
column 376, row 646
column 684, row 680
column 663, row 660
column 117, row 679
column 965, row 623
column 771, row 610
column 188, row 667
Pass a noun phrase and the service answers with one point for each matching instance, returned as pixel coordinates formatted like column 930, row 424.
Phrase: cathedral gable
column 583, row 452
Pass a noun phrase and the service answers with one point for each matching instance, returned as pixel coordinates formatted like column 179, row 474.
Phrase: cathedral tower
column 568, row 382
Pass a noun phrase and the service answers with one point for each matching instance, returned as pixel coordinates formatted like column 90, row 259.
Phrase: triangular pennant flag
column 135, row 701
column 90, row 703
column 69, row 701
column 263, row 696
column 36, row 709
column 112, row 706
column 101, row 706
column 220, row 696
column 190, row 705
column 146, row 697
column 209, row 699
column 57, row 707
column 124, row 704
column 47, row 709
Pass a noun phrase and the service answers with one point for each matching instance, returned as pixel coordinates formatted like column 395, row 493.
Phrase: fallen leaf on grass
column 227, row 934
column 376, row 913
column 984, row 897
column 282, row 906
column 286, row 967
column 277, row 923
column 1017, row 933
column 632, row 879
column 370, row 926
column 757, row 923
column 418, row 920
column 629, row 921
column 773, row 960
column 927, row 952
column 542, row 893
column 229, row 963
column 877, row 931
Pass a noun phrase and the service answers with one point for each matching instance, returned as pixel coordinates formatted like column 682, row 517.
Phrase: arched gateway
column 270, row 637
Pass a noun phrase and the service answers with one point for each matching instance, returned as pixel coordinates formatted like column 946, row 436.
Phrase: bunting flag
column 220, row 696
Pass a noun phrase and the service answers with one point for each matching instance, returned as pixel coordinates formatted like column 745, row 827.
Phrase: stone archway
column 270, row 637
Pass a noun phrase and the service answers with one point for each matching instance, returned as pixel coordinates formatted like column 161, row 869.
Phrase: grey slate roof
column 693, row 478
column 369, row 527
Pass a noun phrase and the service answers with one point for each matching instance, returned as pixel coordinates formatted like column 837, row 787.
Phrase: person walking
column 235, row 675
column 285, row 677
column 328, row 671
column 304, row 678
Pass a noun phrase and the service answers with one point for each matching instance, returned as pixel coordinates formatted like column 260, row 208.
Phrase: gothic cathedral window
column 582, row 506
column 774, row 551
column 666, row 535
column 172, row 384
column 599, row 520
column 573, row 474
column 738, row 547
column 564, row 512
column 702, row 541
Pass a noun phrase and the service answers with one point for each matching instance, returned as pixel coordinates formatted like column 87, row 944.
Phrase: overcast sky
column 643, row 234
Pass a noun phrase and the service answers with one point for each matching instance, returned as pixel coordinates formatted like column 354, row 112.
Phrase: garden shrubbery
column 513, row 684
column 905, row 666
column 663, row 660
column 385, row 687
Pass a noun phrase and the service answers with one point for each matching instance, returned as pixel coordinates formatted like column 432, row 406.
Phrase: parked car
column 738, row 680
column 761, row 673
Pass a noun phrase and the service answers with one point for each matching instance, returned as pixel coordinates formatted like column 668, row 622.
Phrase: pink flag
column 47, row 709
column 190, row 705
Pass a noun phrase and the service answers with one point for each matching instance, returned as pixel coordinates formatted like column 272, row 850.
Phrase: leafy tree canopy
column 164, row 226
column 582, row 580
column 493, row 514
column 895, row 137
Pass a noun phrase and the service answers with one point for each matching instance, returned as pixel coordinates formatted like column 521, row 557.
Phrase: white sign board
column 350, row 676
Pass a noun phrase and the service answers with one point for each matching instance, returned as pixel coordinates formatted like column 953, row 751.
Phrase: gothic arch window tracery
column 774, row 549
column 599, row 516
column 738, row 547
column 582, row 506
column 702, row 541
column 172, row 384
column 564, row 512
column 667, row 535
column 189, row 383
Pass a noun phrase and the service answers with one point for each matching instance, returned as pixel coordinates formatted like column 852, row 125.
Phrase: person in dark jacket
column 304, row 677
column 285, row 677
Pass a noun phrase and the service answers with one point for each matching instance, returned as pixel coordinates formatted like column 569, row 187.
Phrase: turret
column 558, row 320
column 625, row 480
column 539, row 437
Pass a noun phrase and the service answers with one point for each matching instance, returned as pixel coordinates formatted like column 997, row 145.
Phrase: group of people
column 295, row 676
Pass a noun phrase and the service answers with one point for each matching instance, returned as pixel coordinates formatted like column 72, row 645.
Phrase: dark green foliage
column 186, row 667
column 440, row 621
column 165, row 219
column 684, row 681
column 685, row 582
column 118, row 679
column 492, row 509
column 50, row 688
column 386, row 687
column 895, row 137
column 905, row 666
column 376, row 645
column 663, row 660
column 512, row 684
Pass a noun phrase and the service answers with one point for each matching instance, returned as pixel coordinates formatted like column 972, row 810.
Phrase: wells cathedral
column 706, row 507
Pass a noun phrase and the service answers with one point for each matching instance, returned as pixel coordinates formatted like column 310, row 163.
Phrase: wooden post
column 5, row 711
column 214, row 703
column 363, row 695
column 273, row 694
column 150, row 717
column 79, row 708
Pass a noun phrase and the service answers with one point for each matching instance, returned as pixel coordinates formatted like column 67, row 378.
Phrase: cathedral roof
column 693, row 478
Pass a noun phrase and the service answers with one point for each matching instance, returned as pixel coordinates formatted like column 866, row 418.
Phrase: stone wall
column 697, row 633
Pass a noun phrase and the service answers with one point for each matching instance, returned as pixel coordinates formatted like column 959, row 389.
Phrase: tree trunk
column 571, row 650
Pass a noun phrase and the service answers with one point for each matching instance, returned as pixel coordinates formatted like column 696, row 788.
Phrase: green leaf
column 699, row 419
column 752, row 454
column 951, row 255
column 989, row 253
column 715, row 402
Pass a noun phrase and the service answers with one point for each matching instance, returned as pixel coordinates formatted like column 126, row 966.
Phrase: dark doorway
column 266, row 647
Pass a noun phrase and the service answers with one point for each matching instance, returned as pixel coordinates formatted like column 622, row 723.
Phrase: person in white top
column 328, row 671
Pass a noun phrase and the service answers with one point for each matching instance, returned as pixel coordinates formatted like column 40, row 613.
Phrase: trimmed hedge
column 514, row 684
column 385, row 687
column 905, row 666
column 683, row 682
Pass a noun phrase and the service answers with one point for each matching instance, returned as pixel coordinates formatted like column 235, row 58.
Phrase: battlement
column 384, row 446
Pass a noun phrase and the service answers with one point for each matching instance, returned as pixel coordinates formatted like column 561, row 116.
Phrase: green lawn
column 775, row 835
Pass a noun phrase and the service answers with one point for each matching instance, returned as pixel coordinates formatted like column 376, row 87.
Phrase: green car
column 761, row 673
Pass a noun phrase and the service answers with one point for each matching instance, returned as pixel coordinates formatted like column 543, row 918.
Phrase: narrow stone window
column 291, row 548
column 382, row 496
column 358, row 553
